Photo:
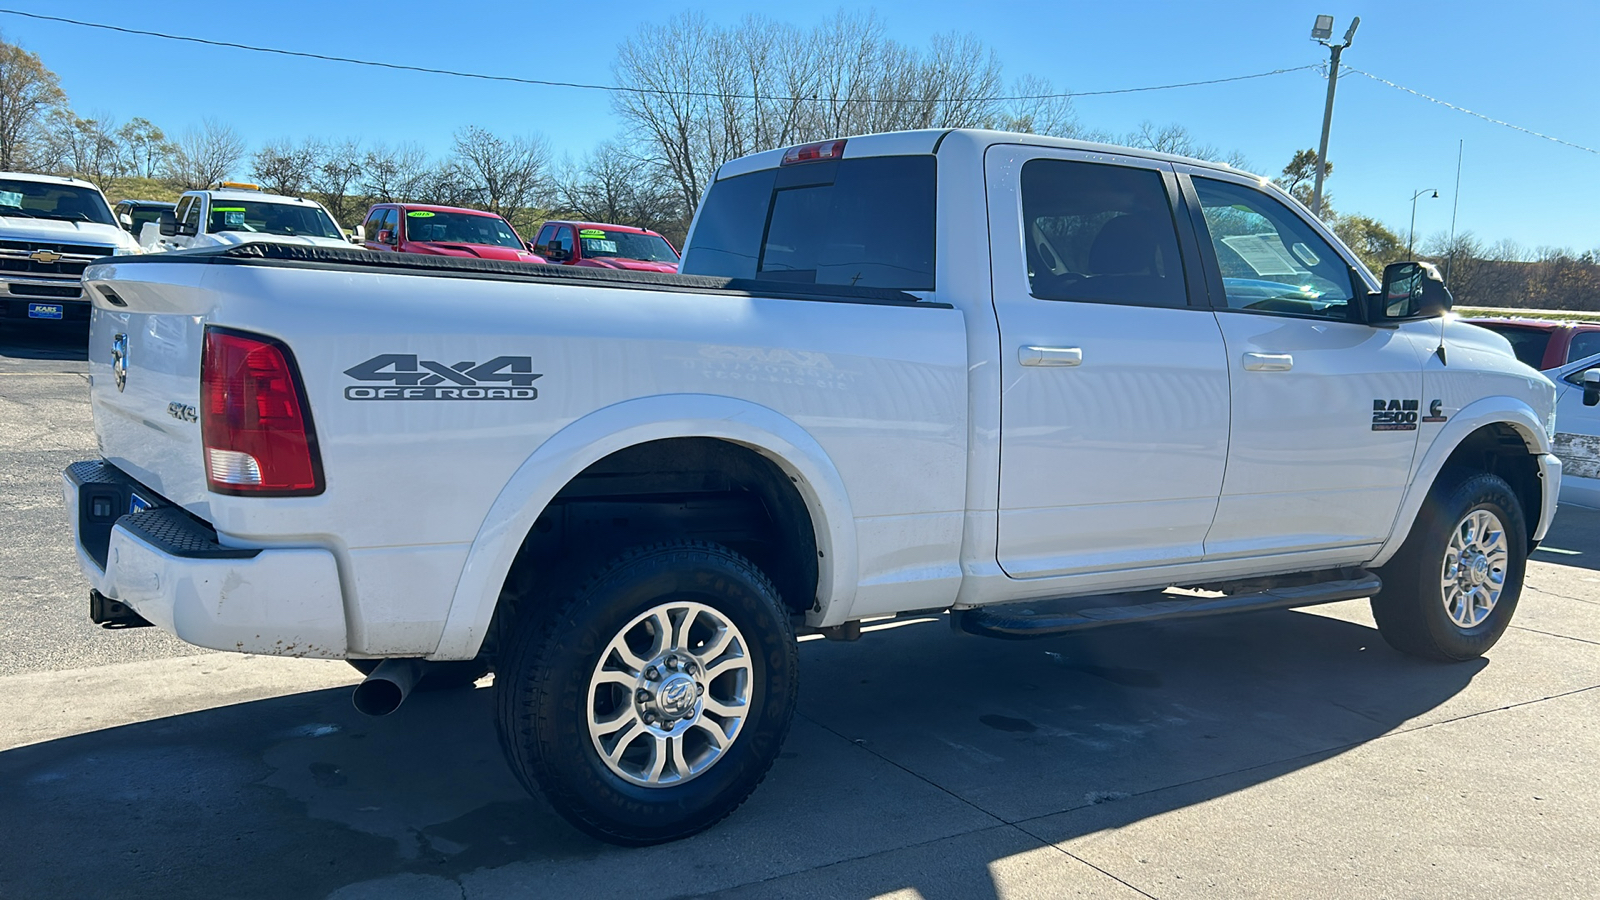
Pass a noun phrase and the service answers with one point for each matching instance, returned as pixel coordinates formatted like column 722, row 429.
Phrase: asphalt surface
column 1281, row 754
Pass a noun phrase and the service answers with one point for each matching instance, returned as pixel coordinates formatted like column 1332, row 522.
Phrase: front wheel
column 1450, row 592
column 647, row 704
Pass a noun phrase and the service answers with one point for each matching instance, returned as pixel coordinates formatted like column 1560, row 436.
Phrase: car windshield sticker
column 594, row 246
column 1306, row 254
column 10, row 198
column 420, row 214
column 1263, row 253
column 592, row 233
column 232, row 215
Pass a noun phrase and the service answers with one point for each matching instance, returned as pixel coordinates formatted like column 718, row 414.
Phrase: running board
column 1019, row 621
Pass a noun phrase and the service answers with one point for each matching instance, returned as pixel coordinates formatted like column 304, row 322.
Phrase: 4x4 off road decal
column 1394, row 415
column 501, row 378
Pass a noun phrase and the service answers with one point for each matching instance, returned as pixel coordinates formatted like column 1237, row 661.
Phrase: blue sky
column 1532, row 63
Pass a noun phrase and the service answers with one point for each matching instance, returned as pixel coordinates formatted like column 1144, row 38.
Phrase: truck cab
column 233, row 213
column 601, row 246
column 51, row 228
column 442, row 231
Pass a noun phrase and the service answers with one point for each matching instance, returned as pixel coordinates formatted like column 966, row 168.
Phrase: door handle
column 1050, row 356
column 1268, row 362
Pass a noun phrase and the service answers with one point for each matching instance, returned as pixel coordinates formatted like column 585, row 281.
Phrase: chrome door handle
column 1268, row 362
column 1050, row 356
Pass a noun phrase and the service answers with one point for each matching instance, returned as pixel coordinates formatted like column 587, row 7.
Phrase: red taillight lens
column 813, row 152
column 254, row 420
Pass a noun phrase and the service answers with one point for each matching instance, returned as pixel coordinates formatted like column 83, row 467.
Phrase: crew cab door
column 1114, row 405
column 1325, row 407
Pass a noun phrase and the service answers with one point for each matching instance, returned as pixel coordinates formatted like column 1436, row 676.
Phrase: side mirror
column 1411, row 291
column 557, row 254
column 169, row 224
column 1591, row 387
column 386, row 237
column 358, row 234
column 530, row 246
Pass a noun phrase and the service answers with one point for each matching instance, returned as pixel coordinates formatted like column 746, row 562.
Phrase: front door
column 1114, row 411
column 1325, row 407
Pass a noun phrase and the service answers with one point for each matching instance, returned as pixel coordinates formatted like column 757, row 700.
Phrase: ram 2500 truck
column 906, row 372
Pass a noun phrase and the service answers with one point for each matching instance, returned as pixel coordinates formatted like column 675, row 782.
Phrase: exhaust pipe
column 382, row 692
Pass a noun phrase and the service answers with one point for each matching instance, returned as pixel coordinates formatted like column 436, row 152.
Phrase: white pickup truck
column 50, row 230
column 945, row 371
column 234, row 213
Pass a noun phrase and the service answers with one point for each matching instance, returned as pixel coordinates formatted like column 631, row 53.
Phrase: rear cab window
column 1529, row 344
column 863, row 222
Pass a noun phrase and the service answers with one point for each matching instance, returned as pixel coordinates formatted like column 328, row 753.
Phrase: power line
column 1471, row 113
column 539, row 82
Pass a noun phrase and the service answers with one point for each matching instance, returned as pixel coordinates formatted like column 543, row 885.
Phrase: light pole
column 1412, row 239
column 1321, row 31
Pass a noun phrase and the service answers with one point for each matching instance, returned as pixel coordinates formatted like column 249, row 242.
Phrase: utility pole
column 1411, row 241
column 1321, row 31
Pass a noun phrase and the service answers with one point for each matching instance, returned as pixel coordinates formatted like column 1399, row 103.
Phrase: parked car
column 50, row 229
column 1544, row 343
column 133, row 215
column 999, row 376
column 606, row 247
column 443, row 231
column 233, row 213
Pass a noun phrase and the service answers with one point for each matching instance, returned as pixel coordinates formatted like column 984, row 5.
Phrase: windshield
column 42, row 200
column 626, row 245
column 259, row 217
column 460, row 228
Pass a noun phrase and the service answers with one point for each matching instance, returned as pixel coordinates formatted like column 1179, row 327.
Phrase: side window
column 372, row 225
column 1584, row 343
column 562, row 240
column 1100, row 233
column 181, row 214
column 1271, row 260
column 391, row 221
column 542, row 245
column 192, row 216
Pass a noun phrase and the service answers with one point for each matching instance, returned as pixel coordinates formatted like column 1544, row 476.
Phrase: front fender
column 603, row 432
column 1476, row 415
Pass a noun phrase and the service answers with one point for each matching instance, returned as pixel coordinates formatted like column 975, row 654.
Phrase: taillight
column 254, row 421
column 813, row 152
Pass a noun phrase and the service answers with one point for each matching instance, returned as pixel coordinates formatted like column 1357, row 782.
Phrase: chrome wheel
column 670, row 694
column 1474, row 572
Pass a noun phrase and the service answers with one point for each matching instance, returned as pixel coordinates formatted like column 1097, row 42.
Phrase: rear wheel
column 648, row 703
column 1450, row 592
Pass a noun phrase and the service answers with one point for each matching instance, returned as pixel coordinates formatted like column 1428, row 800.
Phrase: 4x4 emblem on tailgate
column 119, row 360
column 511, row 378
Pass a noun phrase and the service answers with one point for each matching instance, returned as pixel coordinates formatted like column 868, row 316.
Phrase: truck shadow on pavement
column 919, row 759
column 29, row 340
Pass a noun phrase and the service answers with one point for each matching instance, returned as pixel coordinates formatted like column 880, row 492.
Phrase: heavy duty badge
column 501, row 378
column 1394, row 415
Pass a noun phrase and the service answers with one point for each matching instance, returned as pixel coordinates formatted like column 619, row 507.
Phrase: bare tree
column 206, row 155
column 334, row 179
column 610, row 185
column 86, row 148
column 394, row 174
column 145, row 148
column 284, row 167
column 28, row 92
column 503, row 175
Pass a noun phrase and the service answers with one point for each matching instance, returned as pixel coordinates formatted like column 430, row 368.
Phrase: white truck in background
column 941, row 370
column 51, row 228
column 233, row 213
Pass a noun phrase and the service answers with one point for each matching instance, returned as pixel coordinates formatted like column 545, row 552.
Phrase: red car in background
column 443, row 231
column 604, row 246
column 1543, row 343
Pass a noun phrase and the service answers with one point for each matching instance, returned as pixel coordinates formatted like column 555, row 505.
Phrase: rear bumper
column 1550, row 487
column 170, row 568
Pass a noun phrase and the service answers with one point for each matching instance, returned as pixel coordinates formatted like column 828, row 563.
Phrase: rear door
column 1114, row 411
column 1325, row 407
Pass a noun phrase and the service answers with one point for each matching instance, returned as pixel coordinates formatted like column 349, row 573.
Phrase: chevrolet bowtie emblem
column 45, row 257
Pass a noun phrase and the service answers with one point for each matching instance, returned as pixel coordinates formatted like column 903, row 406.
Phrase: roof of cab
column 930, row 140
column 430, row 207
column 232, row 194
column 47, row 179
column 601, row 226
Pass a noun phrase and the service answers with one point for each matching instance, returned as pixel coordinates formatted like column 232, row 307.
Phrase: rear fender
column 595, row 436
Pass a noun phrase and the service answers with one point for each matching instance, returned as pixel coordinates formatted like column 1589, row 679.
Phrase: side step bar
column 1020, row 621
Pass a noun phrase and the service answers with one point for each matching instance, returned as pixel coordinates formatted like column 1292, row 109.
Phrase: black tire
column 1410, row 610
column 445, row 675
column 542, row 700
